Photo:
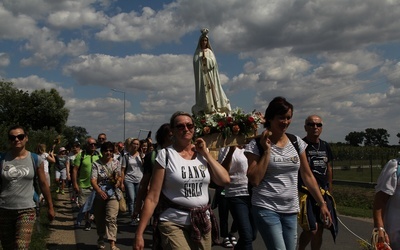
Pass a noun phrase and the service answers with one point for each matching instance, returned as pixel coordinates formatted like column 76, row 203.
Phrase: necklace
column 316, row 149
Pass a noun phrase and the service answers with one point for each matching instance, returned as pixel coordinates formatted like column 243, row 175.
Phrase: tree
column 48, row 110
column 376, row 137
column 13, row 103
column 75, row 133
column 355, row 138
column 39, row 110
column 398, row 136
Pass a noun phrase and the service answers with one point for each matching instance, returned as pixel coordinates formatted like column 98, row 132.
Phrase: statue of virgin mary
column 210, row 97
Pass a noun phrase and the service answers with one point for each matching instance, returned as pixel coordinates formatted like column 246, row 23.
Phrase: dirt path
column 62, row 233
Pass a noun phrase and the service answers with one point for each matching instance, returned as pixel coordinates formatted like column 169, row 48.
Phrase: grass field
column 359, row 174
column 354, row 201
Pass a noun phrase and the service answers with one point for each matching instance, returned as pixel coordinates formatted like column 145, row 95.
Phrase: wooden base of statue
column 216, row 141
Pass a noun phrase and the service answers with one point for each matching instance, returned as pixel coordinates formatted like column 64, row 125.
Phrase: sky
column 337, row 59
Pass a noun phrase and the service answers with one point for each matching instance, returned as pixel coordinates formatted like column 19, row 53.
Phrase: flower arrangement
column 235, row 123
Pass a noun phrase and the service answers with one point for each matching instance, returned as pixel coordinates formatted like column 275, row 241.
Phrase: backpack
column 83, row 156
column 35, row 162
column 292, row 139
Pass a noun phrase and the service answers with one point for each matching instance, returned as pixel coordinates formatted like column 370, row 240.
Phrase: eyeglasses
column 13, row 137
column 189, row 126
column 101, row 138
column 109, row 150
column 313, row 124
column 92, row 144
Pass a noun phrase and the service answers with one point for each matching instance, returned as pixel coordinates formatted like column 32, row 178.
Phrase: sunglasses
column 13, row 137
column 109, row 150
column 189, row 126
column 92, row 144
column 101, row 138
column 313, row 124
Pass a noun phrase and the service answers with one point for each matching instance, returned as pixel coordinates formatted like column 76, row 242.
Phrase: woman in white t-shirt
column 237, row 194
column 274, row 165
column 179, row 187
column 386, row 205
column 47, row 159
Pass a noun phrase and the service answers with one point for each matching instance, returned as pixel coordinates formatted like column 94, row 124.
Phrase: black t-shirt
column 318, row 156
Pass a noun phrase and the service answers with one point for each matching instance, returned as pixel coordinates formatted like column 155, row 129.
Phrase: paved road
column 86, row 240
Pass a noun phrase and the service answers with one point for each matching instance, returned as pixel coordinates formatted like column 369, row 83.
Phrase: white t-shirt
column 389, row 184
column 185, row 183
column 237, row 172
column 45, row 162
column 278, row 189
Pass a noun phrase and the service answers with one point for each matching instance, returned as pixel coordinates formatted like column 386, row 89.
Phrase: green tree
column 376, row 137
column 39, row 110
column 72, row 133
column 355, row 138
column 13, row 103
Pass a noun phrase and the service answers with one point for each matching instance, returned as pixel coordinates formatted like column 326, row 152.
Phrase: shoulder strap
column 293, row 140
column 153, row 157
column 398, row 169
column 166, row 157
column 260, row 148
column 2, row 156
column 82, row 157
column 35, row 160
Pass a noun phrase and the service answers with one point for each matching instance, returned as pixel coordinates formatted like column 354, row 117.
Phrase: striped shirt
column 278, row 189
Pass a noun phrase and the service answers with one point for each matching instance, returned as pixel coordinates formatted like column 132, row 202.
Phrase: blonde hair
column 41, row 148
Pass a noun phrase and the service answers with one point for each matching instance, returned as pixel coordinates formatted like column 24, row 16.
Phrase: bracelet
column 380, row 229
column 323, row 203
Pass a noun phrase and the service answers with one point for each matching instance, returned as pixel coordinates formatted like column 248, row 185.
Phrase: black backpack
column 292, row 139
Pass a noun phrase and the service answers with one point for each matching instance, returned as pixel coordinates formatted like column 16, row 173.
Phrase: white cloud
column 15, row 26
column 331, row 58
column 149, row 27
column 47, row 49
column 4, row 59
column 76, row 19
column 137, row 72
column 34, row 82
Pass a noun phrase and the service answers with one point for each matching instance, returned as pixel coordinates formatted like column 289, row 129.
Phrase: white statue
column 210, row 97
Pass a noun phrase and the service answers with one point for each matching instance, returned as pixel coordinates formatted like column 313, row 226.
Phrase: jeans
column 223, row 211
column 240, row 207
column 131, row 193
column 278, row 230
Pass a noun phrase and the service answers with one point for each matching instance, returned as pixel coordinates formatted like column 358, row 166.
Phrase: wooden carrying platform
column 216, row 141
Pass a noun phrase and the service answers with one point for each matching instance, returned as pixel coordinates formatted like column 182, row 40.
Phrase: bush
column 354, row 201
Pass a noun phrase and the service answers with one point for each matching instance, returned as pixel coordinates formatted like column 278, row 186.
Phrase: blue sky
column 338, row 59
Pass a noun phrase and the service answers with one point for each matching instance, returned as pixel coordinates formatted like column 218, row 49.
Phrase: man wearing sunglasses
column 81, row 176
column 319, row 156
column 101, row 138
